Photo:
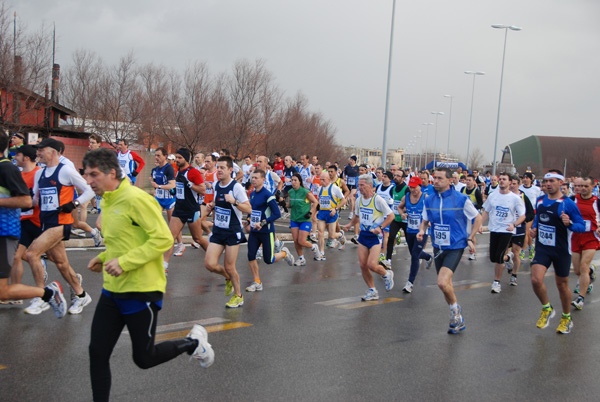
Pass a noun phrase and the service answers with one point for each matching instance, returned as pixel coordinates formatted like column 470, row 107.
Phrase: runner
column 53, row 191
column 350, row 176
column 426, row 187
column 189, row 185
column 373, row 214
column 303, row 206
column 490, row 188
column 237, row 173
column 413, row 205
column 450, row 237
column 15, row 195
column 584, row 245
column 229, row 203
column 532, row 192
column 94, row 143
column 210, row 178
column 385, row 190
column 16, row 140
column 128, row 160
column 505, row 211
column 163, row 181
column 306, row 170
column 134, row 279
column 555, row 216
column 331, row 201
column 265, row 212
column 338, row 181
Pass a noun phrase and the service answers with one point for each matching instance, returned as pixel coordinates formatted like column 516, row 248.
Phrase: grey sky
column 336, row 52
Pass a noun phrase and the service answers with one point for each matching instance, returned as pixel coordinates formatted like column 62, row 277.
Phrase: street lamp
column 506, row 28
column 449, row 125
column 427, row 140
column 415, row 138
column 474, row 74
column 437, row 114
column 387, row 91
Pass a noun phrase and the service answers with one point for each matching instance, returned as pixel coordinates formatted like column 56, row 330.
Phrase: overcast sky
column 336, row 53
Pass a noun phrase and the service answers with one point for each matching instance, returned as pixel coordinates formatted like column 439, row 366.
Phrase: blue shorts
column 325, row 216
column 561, row 262
column 29, row 232
column 227, row 238
column 187, row 216
column 130, row 306
column 369, row 239
column 305, row 226
column 447, row 258
column 166, row 203
column 255, row 239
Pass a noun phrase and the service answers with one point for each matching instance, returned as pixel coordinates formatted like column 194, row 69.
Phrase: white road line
column 187, row 324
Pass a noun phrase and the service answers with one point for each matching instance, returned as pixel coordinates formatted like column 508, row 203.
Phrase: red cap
column 414, row 182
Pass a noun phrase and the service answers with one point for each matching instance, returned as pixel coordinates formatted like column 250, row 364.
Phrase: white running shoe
column 196, row 245
column 351, row 215
column 204, row 353
column 179, row 249
column 313, row 237
column 342, row 240
column 278, row 246
column 289, row 258
column 496, row 287
column 254, row 287
column 371, row 294
column 300, row 262
column 472, row 257
column 97, row 236
column 37, row 306
column 72, row 294
column 429, row 262
column 408, row 287
column 57, row 301
column 80, row 303
column 315, row 249
column 259, row 254
column 389, row 280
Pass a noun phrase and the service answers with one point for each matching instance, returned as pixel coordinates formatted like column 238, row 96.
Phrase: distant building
column 574, row 156
column 372, row 156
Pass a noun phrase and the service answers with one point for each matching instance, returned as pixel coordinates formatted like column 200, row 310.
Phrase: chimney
column 55, row 82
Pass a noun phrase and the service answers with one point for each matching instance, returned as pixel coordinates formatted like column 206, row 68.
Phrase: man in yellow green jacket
column 136, row 236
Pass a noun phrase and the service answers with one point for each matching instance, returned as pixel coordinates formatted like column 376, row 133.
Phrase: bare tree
column 154, row 86
column 476, row 159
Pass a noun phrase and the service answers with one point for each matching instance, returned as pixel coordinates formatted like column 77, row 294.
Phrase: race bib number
column 547, row 235
column 160, row 193
column 255, row 217
column 209, row 188
column 414, row 221
column 123, row 163
column 180, row 191
column 366, row 217
column 352, row 181
column 222, row 217
column 49, row 199
column 395, row 207
column 325, row 202
column 502, row 213
column 441, row 234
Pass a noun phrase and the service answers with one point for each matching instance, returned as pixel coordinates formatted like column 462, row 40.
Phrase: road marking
column 369, row 303
column 211, row 328
column 3, row 367
column 188, row 324
column 337, row 301
column 471, row 286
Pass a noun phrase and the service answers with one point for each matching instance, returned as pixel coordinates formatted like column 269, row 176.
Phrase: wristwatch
column 76, row 203
column 159, row 186
column 236, row 203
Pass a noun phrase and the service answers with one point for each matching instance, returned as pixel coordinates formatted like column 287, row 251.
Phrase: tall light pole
column 449, row 125
column 387, row 91
column 506, row 28
column 437, row 114
column 427, row 141
column 474, row 74
column 420, row 149
column 415, row 139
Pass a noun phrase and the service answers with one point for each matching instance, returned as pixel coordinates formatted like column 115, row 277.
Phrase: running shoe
column 381, row 257
column 37, row 306
column 259, row 253
column 45, row 266
column 94, row 211
column 457, row 322
column 179, row 249
column 72, row 294
column 196, row 245
column 387, row 264
column 228, row 287
column 300, row 262
column 320, row 257
column 576, row 290
column 371, row 294
column 342, row 240
column 350, row 216
column 289, row 258
column 354, row 239
column 313, row 237
column 254, row 287
column 590, row 288
column 80, row 303
column 388, row 278
column 235, row 301
column 278, row 246
column 531, row 252
column 513, row 280
column 398, row 239
column 315, row 249
column 496, row 287
column 522, row 254
column 97, row 236
column 545, row 317
column 57, row 301
column 578, row 303
column 204, row 353
column 472, row 257
column 408, row 287
column 592, row 272
column 508, row 264
column 429, row 262
column 565, row 326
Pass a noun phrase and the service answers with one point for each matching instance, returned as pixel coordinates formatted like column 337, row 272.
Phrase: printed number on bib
column 395, row 207
column 441, row 235
column 325, row 202
column 414, row 221
column 180, row 191
column 49, row 199
column 351, row 181
column 547, row 235
column 222, row 217
column 255, row 217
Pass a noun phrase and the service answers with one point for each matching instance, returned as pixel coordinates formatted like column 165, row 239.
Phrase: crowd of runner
column 552, row 221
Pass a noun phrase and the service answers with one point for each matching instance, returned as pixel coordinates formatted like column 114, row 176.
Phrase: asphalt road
column 308, row 337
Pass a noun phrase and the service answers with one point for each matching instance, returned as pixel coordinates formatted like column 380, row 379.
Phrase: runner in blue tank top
column 449, row 212
column 556, row 216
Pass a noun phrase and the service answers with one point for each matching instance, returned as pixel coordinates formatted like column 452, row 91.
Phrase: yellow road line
column 369, row 303
column 2, row 367
column 471, row 286
column 211, row 328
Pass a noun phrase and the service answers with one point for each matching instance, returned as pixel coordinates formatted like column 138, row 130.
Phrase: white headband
column 554, row 176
